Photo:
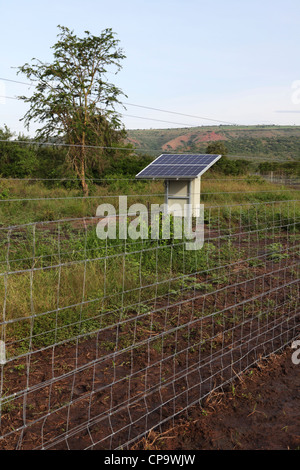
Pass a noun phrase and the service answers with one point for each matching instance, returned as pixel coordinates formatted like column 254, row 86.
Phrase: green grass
column 22, row 202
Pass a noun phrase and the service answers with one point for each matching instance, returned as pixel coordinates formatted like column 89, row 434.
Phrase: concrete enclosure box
column 181, row 192
column 182, row 175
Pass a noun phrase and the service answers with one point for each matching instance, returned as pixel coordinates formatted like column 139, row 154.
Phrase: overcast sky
column 231, row 60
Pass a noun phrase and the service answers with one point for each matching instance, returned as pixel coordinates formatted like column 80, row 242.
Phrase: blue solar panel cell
column 178, row 166
column 186, row 159
column 171, row 171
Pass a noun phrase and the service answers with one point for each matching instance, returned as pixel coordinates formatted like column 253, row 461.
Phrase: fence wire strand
column 108, row 339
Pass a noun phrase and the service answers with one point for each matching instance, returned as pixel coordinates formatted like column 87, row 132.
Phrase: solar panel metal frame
column 188, row 176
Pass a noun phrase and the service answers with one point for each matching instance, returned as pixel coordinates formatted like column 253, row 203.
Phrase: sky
column 231, row 61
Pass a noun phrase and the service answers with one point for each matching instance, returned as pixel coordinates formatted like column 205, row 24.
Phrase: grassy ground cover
column 58, row 281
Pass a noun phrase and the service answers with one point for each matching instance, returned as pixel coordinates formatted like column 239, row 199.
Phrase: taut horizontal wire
column 137, row 149
column 211, row 193
column 138, row 106
column 214, row 206
column 204, row 179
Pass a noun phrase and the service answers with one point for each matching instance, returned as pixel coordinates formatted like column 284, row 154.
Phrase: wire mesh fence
column 103, row 340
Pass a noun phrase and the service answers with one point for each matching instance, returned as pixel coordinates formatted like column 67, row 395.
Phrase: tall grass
column 59, row 281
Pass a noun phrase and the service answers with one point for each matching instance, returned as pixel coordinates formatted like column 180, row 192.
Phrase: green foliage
column 288, row 168
column 276, row 252
column 217, row 148
column 228, row 167
column 127, row 165
column 72, row 98
column 19, row 160
column 15, row 160
column 254, row 179
column 225, row 165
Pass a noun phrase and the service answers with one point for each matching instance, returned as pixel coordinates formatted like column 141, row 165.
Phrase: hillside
column 278, row 142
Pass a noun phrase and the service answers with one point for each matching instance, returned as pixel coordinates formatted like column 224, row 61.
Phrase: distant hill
column 271, row 142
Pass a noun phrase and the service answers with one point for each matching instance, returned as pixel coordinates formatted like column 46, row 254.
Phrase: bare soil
column 259, row 411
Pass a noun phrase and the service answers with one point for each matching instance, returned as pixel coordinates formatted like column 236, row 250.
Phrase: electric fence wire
column 105, row 341
column 135, row 105
column 138, row 117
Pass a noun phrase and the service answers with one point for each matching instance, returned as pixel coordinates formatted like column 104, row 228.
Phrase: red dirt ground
column 207, row 137
column 260, row 412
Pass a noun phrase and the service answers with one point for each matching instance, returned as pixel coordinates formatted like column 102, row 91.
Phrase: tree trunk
column 83, row 164
column 78, row 163
column 84, row 184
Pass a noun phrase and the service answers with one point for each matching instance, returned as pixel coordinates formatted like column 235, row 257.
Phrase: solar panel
column 178, row 166
column 184, row 159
